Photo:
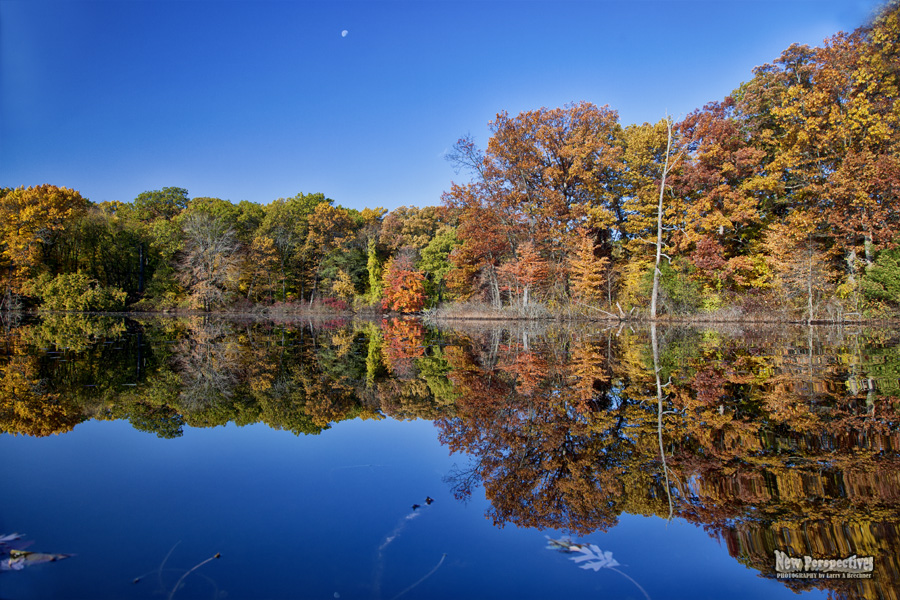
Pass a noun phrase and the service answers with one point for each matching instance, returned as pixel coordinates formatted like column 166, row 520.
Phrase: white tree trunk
column 659, row 217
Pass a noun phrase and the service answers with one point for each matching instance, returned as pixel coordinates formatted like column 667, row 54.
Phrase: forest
column 778, row 202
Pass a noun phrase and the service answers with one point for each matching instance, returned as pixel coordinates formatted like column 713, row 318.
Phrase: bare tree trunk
column 870, row 258
column 141, row 268
column 659, row 411
column 495, row 287
column 659, row 216
column 851, row 277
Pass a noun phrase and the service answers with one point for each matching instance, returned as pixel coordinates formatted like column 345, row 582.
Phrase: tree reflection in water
column 783, row 439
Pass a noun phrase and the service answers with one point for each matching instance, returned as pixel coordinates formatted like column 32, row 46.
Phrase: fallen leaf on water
column 599, row 559
column 13, row 557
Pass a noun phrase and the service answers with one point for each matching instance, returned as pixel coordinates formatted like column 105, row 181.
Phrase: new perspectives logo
column 852, row 567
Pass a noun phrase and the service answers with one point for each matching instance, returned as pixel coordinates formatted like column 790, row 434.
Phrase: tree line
column 779, row 199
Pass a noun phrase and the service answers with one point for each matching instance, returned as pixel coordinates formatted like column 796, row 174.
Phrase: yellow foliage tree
column 343, row 286
column 29, row 218
column 259, row 268
column 800, row 262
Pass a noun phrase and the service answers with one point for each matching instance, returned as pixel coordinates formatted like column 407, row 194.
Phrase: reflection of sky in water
column 309, row 517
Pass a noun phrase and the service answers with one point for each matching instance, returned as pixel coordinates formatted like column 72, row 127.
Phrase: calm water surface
column 297, row 451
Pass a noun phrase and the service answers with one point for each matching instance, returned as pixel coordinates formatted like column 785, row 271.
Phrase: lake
column 393, row 459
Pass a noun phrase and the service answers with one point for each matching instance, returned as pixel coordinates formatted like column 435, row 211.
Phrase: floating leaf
column 599, row 559
column 19, row 559
column 13, row 557
column 564, row 545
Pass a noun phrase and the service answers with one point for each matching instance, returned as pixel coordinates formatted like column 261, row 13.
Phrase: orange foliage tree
column 527, row 271
column 587, row 271
column 404, row 286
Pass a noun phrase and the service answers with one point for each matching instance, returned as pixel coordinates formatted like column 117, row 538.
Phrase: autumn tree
column 330, row 228
column 588, row 273
column 856, row 127
column 404, row 286
column 526, row 272
column 486, row 238
column 826, row 121
column 544, row 172
column 652, row 213
column 258, row 272
column 286, row 223
column 154, row 216
column 209, row 261
column 410, row 226
column 557, row 167
column 75, row 292
column 342, row 286
column 30, row 219
column 724, row 188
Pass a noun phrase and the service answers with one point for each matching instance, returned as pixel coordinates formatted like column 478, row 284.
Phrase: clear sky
column 256, row 100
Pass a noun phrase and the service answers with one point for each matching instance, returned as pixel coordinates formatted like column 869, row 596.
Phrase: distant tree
column 286, row 223
column 435, row 261
column 29, row 219
column 527, row 271
column 75, row 292
column 551, row 169
column 486, row 236
column 343, row 286
column 798, row 255
column 544, row 173
column 259, row 269
column 374, row 269
column 331, row 246
column 404, row 286
column 409, row 226
column 882, row 280
column 209, row 259
column 587, row 272
column 165, row 204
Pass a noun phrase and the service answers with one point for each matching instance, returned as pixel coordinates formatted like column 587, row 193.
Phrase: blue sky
column 256, row 100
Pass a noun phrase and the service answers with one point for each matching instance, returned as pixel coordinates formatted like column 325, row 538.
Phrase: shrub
column 678, row 292
column 75, row 292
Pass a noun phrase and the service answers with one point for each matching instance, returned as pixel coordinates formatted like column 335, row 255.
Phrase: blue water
column 322, row 517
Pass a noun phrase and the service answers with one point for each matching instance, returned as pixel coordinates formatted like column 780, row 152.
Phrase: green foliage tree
column 164, row 204
column 373, row 270
column 435, row 262
column 882, row 280
column 75, row 292
column 286, row 223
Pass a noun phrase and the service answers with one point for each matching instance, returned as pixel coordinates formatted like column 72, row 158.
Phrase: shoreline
column 475, row 316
